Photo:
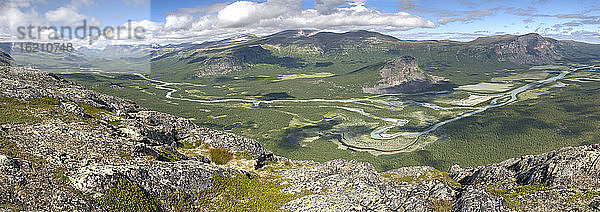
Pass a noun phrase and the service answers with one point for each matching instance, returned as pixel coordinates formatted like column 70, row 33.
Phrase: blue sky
column 201, row 20
column 473, row 18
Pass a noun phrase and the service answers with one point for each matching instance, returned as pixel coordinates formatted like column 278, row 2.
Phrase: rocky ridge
column 530, row 48
column 402, row 74
column 75, row 149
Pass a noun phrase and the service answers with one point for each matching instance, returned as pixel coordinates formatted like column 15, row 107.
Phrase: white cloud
column 69, row 14
column 328, row 6
column 149, row 26
column 136, row 2
column 66, row 15
column 244, row 13
column 14, row 14
column 276, row 15
column 82, row 3
column 19, row 3
column 468, row 16
column 174, row 22
column 239, row 13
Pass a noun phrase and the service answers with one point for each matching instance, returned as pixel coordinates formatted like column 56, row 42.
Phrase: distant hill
column 327, row 41
column 342, row 53
column 117, row 51
column 5, row 58
column 119, row 58
column 535, row 49
column 401, row 75
column 310, row 50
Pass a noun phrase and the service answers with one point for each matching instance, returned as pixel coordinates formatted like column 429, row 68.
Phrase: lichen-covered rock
column 158, row 178
column 595, row 204
column 342, row 185
column 402, row 74
column 530, row 48
column 571, row 167
column 562, row 180
column 83, row 144
column 476, row 199
column 24, row 187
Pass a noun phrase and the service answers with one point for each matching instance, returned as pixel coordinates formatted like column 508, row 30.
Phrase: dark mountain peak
column 534, row 39
column 370, row 34
column 294, row 33
column 510, row 38
column 493, row 39
column 239, row 38
column 325, row 40
column 404, row 60
column 532, row 35
column 531, row 48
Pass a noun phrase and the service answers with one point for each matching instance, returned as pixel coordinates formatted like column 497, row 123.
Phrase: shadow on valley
column 290, row 139
column 275, row 96
column 259, row 55
column 426, row 157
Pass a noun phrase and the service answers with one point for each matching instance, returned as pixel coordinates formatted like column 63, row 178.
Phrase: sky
column 206, row 20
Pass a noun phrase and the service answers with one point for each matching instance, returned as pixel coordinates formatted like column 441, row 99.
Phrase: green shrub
column 14, row 111
column 242, row 193
column 44, row 101
column 579, row 196
column 124, row 156
column 9, row 148
column 243, row 155
column 188, row 145
column 91, row 109
column 10, row 207
column 442, row 205
column 60, row 176
column 220, row 156
column 128, row 196
column 168, row 156
column 96, row 112
column 438, row 175
column 512, row 196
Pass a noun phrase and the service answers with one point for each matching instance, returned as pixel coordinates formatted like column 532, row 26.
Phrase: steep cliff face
column 401, row 70
column 5, row 59
column 217, row 66
column 402, row 74
column 237, row 59
column 66, row 148
column 527, row 49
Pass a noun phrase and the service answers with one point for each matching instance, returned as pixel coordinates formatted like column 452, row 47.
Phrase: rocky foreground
column 64, row 147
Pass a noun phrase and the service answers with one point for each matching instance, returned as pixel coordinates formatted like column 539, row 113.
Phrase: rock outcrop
column 528, row 49
column 77, row 145
column 562, row 180
column 402, row 75
column 355, row 186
